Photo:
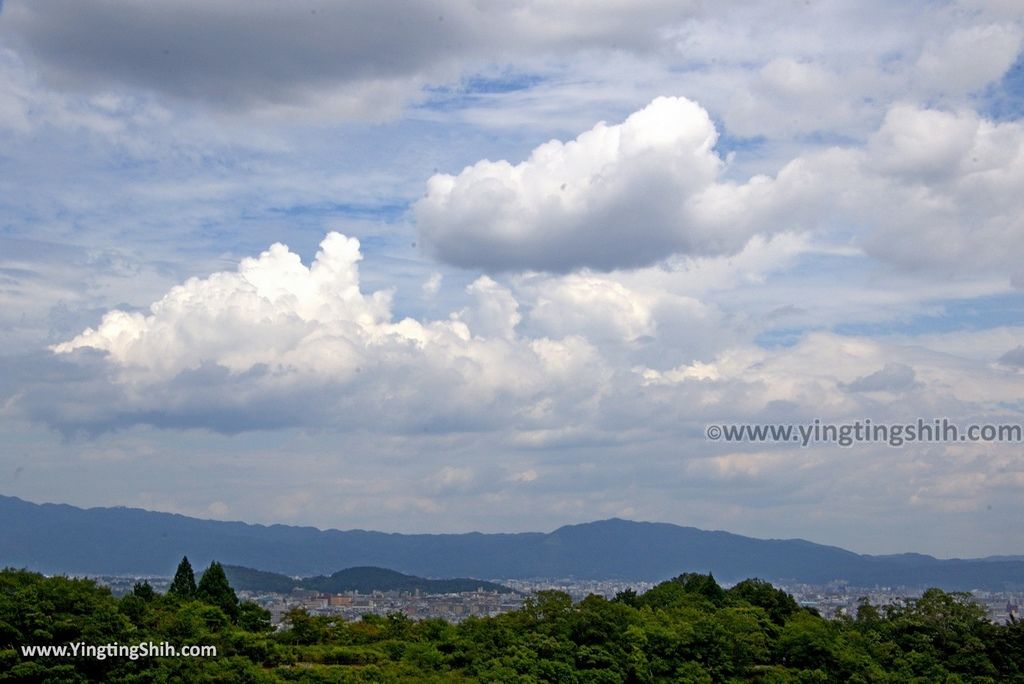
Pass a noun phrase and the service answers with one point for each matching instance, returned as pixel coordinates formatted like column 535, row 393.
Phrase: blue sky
column 464, row 267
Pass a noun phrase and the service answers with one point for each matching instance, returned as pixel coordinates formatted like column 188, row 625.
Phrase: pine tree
column 184, row 584
column 215, row 590
column 144, row 591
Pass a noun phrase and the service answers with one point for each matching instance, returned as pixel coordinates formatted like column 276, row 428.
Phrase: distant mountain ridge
column 364, row 580
column 58, row 538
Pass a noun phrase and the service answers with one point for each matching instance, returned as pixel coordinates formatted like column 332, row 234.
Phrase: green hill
column 363, row 580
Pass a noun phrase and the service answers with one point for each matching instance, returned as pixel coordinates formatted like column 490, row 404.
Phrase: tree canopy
column 689, row 629
column 183, row 586
column 214, row 589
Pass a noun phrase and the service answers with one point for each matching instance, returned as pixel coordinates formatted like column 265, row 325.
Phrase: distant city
column 832, row 600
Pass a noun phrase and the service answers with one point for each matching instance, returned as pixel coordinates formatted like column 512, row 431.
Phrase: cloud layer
column 351, row 58
column 494, row 402
column 277, row 343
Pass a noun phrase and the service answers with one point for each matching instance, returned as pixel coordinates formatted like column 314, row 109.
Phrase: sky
column 454, row 266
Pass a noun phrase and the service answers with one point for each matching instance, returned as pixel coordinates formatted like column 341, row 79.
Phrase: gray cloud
column 239, row 54
column 1014, row 357
column 231, row 52
column 893, row 377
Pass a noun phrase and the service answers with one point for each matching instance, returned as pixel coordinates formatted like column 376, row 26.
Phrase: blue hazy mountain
column 58, row 538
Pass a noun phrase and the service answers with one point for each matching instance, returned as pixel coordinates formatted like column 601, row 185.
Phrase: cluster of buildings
column 830, row 600
column 839, row 599
column 353, row 605
column 453, row 607
column 120, row 585
column 577, row 589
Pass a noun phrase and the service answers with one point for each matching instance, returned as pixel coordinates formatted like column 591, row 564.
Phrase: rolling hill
column 364, row 580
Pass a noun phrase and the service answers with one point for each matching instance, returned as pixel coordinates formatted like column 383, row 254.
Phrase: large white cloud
column 946, row 191
column 617, row 196
column 968, row 58
column 929, row 189
column 276, row 330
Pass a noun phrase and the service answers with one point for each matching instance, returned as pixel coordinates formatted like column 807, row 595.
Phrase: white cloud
column 452, row 478
column 616, row 196
column 643, row 316
column 260, row 314
column 432, row 285
column 968, row 59
column 496, row 312
column 276, row 328
column 597, row 307
column 218, row 509
column 937, row 190
column 277, row 343
column 528, row 475
column 832, row 376
column 921, row 144
column 931, row 189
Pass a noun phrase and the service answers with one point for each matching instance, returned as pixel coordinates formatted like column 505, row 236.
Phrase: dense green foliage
column 686, row 630
column 183, row 585
column 214, row 589
column 362, row 579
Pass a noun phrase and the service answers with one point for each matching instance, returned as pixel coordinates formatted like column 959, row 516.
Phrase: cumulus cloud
column 969, row 58
column 936, row 189
column 649, row 316
column 595, row 306
column 929, row 189
column 617, row 196
column 276, row 333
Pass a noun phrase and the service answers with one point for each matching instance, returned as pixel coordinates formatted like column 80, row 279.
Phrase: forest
column 688, row 629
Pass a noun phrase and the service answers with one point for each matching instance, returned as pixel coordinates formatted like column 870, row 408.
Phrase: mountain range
column 58, row 538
